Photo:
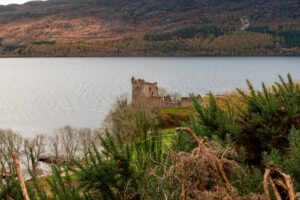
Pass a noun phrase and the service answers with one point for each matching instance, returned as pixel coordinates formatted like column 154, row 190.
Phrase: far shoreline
column 162, row 56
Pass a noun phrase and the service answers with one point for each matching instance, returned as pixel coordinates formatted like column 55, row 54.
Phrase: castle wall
column 150, row 103
column 149, row 90
column 146, row 94
column 143, row 88
column 168, row 104
column 187, row 101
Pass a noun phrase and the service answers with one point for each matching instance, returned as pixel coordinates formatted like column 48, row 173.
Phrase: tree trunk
column 20, row 176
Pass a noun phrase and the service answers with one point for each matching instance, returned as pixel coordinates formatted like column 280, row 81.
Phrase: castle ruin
column 146, row 93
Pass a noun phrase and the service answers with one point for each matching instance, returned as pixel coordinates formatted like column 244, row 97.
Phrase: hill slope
column 95, row 24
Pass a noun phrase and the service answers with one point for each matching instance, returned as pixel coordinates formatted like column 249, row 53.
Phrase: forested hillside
column 152, row 27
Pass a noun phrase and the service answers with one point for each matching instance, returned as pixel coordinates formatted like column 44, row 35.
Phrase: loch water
column 40, row 95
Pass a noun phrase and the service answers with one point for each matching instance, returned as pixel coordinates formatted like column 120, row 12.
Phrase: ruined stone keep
column 146, row 93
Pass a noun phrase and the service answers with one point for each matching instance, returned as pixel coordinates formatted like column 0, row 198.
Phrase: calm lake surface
column 40, row 95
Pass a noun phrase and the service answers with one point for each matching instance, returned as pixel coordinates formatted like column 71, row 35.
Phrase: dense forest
column 243, row 145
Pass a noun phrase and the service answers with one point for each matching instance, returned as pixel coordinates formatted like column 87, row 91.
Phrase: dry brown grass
column 203, row 173
column 233, row 98
column 63, row 30
column 200, row 171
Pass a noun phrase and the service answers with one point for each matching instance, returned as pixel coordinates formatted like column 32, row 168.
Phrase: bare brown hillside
column 90, row 20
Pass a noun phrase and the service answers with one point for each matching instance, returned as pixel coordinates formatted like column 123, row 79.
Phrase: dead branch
column 222, row 173
column 191, row 134
column 266, row 185
column 20, row 176
column 183, row 193
column 281, row 183
column 218, row 161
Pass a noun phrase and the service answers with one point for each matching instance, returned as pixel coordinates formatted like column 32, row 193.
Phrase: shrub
column 126, row 169
column 14, row 47
column 44, row 42
column 167, row 120
column 187, row 32
column 109, row 175
column 249, row 179
column 264, row 124
column 269, row 116
column 213, row 120
column 124, row 118
column 158, row 37
column 288, row 163
column 291, row 37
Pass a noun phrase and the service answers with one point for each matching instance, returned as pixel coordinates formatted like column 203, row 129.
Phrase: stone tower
column 145, row 92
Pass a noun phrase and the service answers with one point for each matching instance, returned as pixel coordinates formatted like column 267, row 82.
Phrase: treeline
column 66, row 144
column 223, row 152
column 18, row 49
column 186, row 41
column 235, row 43
column 289, row 36
column 185, row 33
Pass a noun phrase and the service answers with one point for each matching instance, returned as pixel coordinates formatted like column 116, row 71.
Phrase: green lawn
column 168, row 135
column 177, row 110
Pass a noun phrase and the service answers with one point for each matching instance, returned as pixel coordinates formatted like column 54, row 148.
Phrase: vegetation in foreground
column 222, row 154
